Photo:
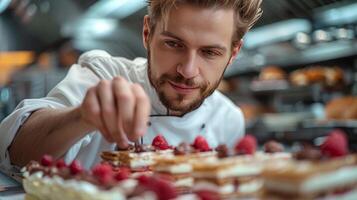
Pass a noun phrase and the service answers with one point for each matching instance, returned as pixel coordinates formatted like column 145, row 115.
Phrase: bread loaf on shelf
column 342, row 108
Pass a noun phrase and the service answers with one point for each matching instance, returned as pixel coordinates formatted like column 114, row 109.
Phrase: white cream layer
column 322, row 182
column 250, row 187
column 234, row 171
column 221, row 189
column 184, row 182
column 181, row 168
column 56, row 188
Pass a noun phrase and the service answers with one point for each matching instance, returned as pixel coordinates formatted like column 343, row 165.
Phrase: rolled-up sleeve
column 68, row 93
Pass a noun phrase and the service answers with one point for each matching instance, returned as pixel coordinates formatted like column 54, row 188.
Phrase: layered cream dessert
column 232, row 176
column 136, row 161
column 327, row 171
column 137, row 157
column 310, row 179
column 54, row 180
column 235, row 174
column 177, row 170
column 140, row 157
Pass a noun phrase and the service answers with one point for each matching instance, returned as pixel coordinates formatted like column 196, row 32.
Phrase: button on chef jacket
column 217, row 119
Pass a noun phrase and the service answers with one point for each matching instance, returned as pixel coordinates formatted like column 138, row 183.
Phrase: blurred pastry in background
column 329, row 76
column 334, row 76
column 272, row 73
column 250, row 111
column 315, row 74
column 299, row 78
column 253, row 111
column 342, row 108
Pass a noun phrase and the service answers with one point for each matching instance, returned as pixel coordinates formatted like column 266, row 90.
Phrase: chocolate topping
column 308, row 153
column 183, row 148
column 129, row 148
column 273, row 146
column 139, row 148
column 222, row 151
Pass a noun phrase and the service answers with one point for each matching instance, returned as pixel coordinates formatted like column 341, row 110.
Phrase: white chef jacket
column 217, row 119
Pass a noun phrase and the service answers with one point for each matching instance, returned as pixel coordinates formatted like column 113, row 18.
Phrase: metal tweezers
column 140, row 141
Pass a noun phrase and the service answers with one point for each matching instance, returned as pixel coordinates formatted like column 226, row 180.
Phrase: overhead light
column 277, row 32
column 102, row 26
column 115, row 8
column 338, row 15
column 90, row 27
column 4, row 4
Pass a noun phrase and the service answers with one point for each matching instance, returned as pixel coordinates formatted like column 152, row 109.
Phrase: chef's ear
column 236, row 49
column 146, row 31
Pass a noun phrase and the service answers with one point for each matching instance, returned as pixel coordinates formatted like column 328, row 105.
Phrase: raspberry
column 207, row 195
column 123, row 174
column 46, row 160
column 335, row 144
column 159, row 142
column 143, row 179
column 102, row 170
column 76, row 167
column 163, row 189
column 201, row 144
column 61, row 164
column 246, row 145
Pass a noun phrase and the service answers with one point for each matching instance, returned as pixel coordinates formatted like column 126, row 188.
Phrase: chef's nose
column 188, row 68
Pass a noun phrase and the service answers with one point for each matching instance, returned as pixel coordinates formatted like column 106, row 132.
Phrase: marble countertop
column 15, row 193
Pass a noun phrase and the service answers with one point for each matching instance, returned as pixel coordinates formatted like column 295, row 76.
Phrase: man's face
column 188, row 54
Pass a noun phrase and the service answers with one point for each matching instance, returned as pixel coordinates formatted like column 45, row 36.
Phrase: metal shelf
column 285, row 55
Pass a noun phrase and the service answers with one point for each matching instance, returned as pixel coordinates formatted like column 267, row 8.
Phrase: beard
column 178, row 102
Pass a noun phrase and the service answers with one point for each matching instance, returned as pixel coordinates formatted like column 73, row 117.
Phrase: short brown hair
column 247, row 12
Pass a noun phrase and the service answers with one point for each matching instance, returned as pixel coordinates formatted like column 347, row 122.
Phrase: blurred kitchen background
column 295, row 78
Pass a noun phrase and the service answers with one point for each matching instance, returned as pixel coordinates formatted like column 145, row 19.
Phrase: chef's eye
column 210, row 53
column 173, row 44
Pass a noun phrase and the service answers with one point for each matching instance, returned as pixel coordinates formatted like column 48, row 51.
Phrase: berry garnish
column 207, row 195
column 335, row 144
column 159, row 142
column 143, row 179
column 103, row 172
column 61, row 164
column 46, row 160
column 201, row 144
column 75, row 167
column 123, row 174
column 246, row 145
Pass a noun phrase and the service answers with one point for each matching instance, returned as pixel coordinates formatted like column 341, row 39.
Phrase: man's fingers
column 119, row 109
column 107, row 135
column 125, row 102
column 121, row 137
column 91, row 108
column 92, row 112
column 108, row 108
column 142, row 110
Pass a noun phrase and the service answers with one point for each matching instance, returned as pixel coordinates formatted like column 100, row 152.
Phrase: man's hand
column 118, row 109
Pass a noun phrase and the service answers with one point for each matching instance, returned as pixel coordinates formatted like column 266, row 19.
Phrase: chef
column 106, row 101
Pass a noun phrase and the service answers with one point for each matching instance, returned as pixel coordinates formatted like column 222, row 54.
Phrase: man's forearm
column 47, row 131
